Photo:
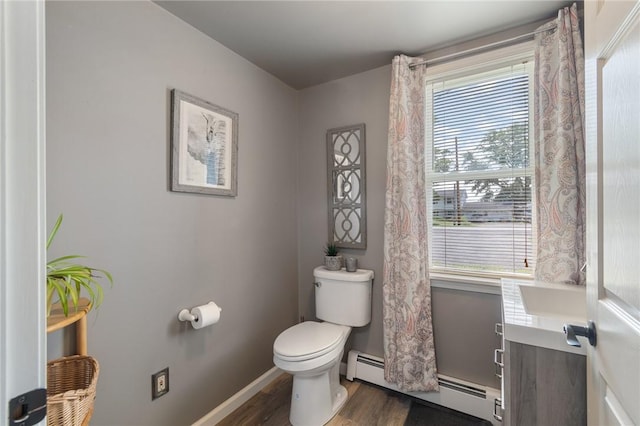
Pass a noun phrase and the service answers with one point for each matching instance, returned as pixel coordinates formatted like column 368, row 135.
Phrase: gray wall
column 463, row 321
column 362, row 98
column 110, row 68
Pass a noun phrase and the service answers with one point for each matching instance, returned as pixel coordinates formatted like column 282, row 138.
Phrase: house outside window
column 448, row 204
column 479, row 174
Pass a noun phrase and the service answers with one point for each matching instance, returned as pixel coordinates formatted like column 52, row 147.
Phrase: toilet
column 311, row 351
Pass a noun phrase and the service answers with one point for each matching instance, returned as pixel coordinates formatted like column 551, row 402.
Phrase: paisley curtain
column 560, row 149
column 410, row 360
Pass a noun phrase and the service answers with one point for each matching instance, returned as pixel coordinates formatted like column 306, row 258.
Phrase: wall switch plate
column 159, row 383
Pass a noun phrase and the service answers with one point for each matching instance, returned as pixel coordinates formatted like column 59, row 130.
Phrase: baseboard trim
column 243, row 395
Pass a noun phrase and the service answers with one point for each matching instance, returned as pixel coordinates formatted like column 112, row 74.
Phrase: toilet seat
column 308, row 340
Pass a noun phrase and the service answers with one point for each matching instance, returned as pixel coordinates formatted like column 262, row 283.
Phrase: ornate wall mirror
column 346, row 186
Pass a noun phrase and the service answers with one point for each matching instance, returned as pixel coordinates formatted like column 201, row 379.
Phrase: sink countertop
column 535, row 330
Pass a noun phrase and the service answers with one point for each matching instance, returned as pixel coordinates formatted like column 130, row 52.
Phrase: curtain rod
column 496, row 44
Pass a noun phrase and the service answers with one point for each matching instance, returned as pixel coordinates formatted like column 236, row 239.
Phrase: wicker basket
column 71, row 390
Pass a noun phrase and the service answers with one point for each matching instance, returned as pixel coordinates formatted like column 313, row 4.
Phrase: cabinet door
column 544, row 386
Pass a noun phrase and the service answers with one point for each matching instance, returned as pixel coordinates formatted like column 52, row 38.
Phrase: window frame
column 472, row 66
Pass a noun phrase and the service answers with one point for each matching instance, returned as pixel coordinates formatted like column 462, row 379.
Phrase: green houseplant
column 66, row 279
column 332, row 259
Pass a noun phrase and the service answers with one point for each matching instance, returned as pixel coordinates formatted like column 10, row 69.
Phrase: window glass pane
column 476, row 232
column 481, row 126
column 479, row 176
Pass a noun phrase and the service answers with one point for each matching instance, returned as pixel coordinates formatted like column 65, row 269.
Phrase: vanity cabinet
column 543, row 386
column 544, row 379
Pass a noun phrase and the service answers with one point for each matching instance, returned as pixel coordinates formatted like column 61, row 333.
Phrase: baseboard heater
column 456, row 394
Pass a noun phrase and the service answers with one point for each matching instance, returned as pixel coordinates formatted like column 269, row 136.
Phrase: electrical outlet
column 159, row 383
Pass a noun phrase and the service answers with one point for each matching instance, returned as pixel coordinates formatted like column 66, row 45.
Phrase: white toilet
column 311, row 351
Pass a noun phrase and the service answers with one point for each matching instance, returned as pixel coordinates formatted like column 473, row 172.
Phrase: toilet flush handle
column 317, row 284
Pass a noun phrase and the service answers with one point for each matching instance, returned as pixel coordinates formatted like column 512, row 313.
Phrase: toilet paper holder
column 186, row 315
column 193, row 317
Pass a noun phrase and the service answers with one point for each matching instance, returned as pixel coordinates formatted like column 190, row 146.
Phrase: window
column 478, row 172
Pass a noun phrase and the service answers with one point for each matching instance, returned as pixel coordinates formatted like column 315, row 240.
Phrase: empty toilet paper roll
column 205, row 315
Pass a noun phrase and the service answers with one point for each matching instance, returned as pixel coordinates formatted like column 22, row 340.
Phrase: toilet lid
column 308, row 339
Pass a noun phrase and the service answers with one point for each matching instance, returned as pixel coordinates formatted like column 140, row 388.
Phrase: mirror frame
column 333, row 170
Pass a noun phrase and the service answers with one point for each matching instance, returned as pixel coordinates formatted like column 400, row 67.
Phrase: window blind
column 479, row 176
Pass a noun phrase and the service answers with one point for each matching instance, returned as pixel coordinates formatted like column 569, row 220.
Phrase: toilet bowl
column 311, row 351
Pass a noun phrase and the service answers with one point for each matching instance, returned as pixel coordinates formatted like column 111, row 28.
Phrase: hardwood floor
column 367, row 405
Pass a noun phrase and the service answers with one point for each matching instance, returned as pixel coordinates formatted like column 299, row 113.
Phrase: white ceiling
column 304, row 43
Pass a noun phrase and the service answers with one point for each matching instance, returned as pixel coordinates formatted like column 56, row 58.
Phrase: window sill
column 471, row 283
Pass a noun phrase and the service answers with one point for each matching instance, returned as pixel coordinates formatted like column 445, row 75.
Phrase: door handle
column 573, row 331
column 497, row 409
column 498, row 360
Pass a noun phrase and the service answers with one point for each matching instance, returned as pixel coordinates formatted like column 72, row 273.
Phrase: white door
column 612, row 46
column 22, row 206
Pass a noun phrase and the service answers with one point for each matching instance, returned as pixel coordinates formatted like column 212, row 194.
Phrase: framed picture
column 204, row 146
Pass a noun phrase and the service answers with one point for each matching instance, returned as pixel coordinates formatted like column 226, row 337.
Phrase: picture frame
column 204, row 146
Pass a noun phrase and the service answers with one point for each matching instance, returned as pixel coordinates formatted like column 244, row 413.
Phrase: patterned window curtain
column 410, row 360
column 560, row 152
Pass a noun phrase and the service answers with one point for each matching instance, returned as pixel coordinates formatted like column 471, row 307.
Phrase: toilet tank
column 343, row 297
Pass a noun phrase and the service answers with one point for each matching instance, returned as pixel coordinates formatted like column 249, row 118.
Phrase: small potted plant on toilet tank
column 332, row 259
